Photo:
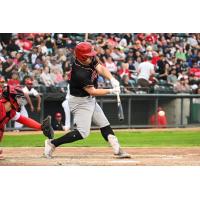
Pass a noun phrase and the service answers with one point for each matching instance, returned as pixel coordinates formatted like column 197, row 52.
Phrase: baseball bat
column 120, row 108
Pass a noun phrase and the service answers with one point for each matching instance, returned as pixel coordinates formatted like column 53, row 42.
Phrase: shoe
column 48, row 149
column 122, row 154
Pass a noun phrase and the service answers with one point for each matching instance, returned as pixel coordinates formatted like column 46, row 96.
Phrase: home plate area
column 100, row 156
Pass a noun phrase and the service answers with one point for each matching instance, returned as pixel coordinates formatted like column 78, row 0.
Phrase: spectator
column 162, row 68
column 172, row 78
column 180, row 54
column 23, row 71
column 57, row 123
column 62, row 85
column 182, row 86
column 46, row 77
column 118, row 54
column 8, row 67
column 110, row 65
column 33, row 55
column 127, row 84
column 124, row 70
column 14, row 79
column 145, row 70
column 2, row 60
column 44, row 48
column 56, row 76
column 55, row 51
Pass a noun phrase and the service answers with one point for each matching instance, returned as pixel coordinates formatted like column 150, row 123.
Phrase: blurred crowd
column 45, row 59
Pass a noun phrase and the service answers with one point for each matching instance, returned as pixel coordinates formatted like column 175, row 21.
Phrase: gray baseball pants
column 86, row 110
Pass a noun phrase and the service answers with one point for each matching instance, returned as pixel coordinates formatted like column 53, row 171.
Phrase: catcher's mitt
column 47, row 128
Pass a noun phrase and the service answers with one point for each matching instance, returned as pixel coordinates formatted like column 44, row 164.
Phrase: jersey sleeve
column 25, row 90
column 85, row 80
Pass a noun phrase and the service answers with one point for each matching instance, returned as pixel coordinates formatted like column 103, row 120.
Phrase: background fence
column 182, row 110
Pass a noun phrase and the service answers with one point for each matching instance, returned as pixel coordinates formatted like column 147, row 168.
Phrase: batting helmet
column 84, row 50
column 58, row 114
column 11, row 94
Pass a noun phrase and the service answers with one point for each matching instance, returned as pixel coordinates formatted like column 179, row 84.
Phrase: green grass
column 127, row 139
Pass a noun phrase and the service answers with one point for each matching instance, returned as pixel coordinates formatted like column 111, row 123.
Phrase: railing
column 182, row 110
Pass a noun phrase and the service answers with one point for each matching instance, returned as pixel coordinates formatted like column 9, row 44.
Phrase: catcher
column 10, row 103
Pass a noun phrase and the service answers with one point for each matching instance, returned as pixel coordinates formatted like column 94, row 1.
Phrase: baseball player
column 82, row 102
column 28, row 90
column 10, row 103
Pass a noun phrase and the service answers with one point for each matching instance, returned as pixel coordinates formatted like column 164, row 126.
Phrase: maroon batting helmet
column 58, row 114
column 84, row 50
column 11, row 94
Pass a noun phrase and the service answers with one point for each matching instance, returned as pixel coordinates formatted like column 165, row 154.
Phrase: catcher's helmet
column 11, row 94
column 84, row 50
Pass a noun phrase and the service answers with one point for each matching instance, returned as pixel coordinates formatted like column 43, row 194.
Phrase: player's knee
column 84, row 133
column 105, row 131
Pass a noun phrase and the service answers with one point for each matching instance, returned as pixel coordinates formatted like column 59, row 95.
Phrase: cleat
column 122, row 154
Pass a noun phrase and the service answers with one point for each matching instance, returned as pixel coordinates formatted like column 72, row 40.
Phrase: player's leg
column 100, row 120
column 80, row 108
column 65, row 106
column 31, row 123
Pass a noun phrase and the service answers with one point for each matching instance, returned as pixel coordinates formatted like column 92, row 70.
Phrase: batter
column 82, row 102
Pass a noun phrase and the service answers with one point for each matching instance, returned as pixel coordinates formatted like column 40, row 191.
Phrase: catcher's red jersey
column 4, row 117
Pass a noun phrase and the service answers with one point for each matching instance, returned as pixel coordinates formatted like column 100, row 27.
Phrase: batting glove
column 115, row 90
column 114, row 82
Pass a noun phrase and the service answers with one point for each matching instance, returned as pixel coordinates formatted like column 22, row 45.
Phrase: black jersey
column 83, row 76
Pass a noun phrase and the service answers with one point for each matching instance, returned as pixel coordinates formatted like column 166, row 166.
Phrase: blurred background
column 42, row 61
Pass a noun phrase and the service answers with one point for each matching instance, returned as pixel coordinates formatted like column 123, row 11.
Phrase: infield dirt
column 102, row 156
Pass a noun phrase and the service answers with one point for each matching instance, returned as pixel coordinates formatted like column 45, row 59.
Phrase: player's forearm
column 28, row 100
column 39, row 101
column 97, row 92
column 107, row 74
column 100, row 92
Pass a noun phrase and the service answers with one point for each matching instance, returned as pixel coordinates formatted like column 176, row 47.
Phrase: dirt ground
column 89, row 156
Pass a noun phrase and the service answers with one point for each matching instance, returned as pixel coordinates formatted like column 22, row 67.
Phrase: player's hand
column 114, row 82
column 115, row 90
column 32, row 109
